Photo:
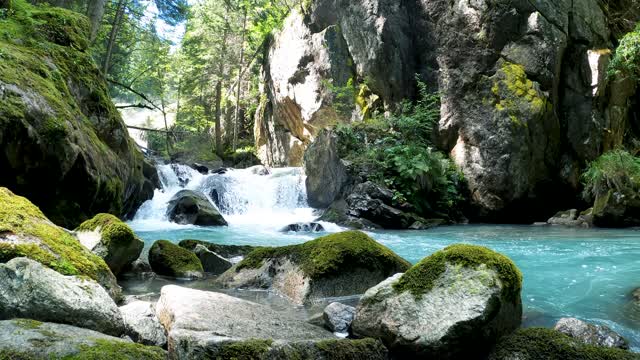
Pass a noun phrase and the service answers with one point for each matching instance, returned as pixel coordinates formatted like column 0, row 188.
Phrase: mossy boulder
column 539, row 343
column 340, row 264
column 227, row 251
column 169, row 259
column 23, row 339
column 111, row 239
column 189, row 207
column 26, row 232
column 616, row 209
column 64, row 144
column 453, row 304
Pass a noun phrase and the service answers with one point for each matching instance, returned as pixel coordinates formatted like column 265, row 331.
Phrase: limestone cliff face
column 525, row 97
column 63, row 143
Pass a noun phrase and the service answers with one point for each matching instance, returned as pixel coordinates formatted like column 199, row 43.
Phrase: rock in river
column 190, row 207
column 142, row 324
column 26, row 232
column 29, row 289
column 23, row 339
column 338, row 317
column 591, row 334
column 167, row 258
column 339, row 264
column 453, row 304
column 212, row 263
column 111, row 239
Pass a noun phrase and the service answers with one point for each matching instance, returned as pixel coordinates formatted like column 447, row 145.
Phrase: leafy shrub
column 397, row 151
column 626, row 61
column 616, row 170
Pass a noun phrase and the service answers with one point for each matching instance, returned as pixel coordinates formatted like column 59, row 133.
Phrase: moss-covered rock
column 227, row 251
column 22, row 339
column 169, row 259
column 339, row 264
column 26, row 232
column 539, row 343
column 111, row 239
column 454, row 304
column 64, row 144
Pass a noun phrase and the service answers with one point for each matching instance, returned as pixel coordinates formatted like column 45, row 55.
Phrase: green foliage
column 117, row 350
column 548, row 344
column 397, row 151
column 332, row 254
column 422, row 277
column 626, row 60
column 616, row 170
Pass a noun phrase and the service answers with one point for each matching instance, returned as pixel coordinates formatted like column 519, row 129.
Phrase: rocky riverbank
column 462, row 301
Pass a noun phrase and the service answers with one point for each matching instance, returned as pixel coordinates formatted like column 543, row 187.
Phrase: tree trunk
column 236, row 125
column 95, row 12
column 114, row 33
column 218, row 130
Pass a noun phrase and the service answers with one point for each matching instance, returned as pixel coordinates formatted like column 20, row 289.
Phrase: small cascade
column 268, row 199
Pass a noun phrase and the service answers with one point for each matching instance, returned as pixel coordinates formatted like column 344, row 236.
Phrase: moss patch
column 52, row 246
column 351, row 349
column 246, row 350
column 118, row 350
column 331, row 255
column 539, row 343
column 28, row 323
column 112, row 229
column 167, row 258
column 422, row 277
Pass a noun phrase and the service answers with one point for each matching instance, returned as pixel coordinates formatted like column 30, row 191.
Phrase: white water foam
column 245, row 198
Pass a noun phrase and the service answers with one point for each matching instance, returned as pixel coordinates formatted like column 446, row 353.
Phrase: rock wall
column 526, row 101
column 64, row 144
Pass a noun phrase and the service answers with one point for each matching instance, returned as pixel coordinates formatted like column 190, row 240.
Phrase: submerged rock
column 111, row 239
column 64, row 143
column 211, row 262
column 303, row 227
column 142, row 324
column 591, row 334
column 339, row 264
column 548, row 344
column 28, row 289
column 338, row 317
column 167, row 258
column 26, row 232
column 29, row 339
column 197, row 322
column 226, row 251
column 453, row 304
column 190, row 207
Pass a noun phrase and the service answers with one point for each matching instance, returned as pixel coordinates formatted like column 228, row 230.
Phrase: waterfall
column 257, row 197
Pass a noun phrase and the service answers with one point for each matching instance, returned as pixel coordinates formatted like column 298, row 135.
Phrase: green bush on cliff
column 422, row 277
column 626, row 61
column 397, row 151
column 332, row 254
column 616, row 170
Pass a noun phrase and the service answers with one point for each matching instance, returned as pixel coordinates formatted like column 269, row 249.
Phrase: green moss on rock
column 112, row 229
column 352, row 349
column 118, row 350
column 540, row 343
column 28, row 323
column 330, row 255
column 167, row 258
column 247, row 350
column 26, row 232
column 422, row 277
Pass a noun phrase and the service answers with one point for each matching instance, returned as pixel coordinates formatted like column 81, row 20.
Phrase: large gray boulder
column 190, row 207
column 591, row 334
column 197, row 321
column 341, row 264
column 326, row 174
column 30, row 290
column 226, row 251
column 571, row 218
column 453, row 304
column 111, row 239
column 212, row 263
column 29, row 339
column 142, row 324
column 338, row 317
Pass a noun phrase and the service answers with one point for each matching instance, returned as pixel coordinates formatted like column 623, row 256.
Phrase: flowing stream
column 583, row 273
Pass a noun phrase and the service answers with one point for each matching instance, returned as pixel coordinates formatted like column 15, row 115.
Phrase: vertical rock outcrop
column 526, row 100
